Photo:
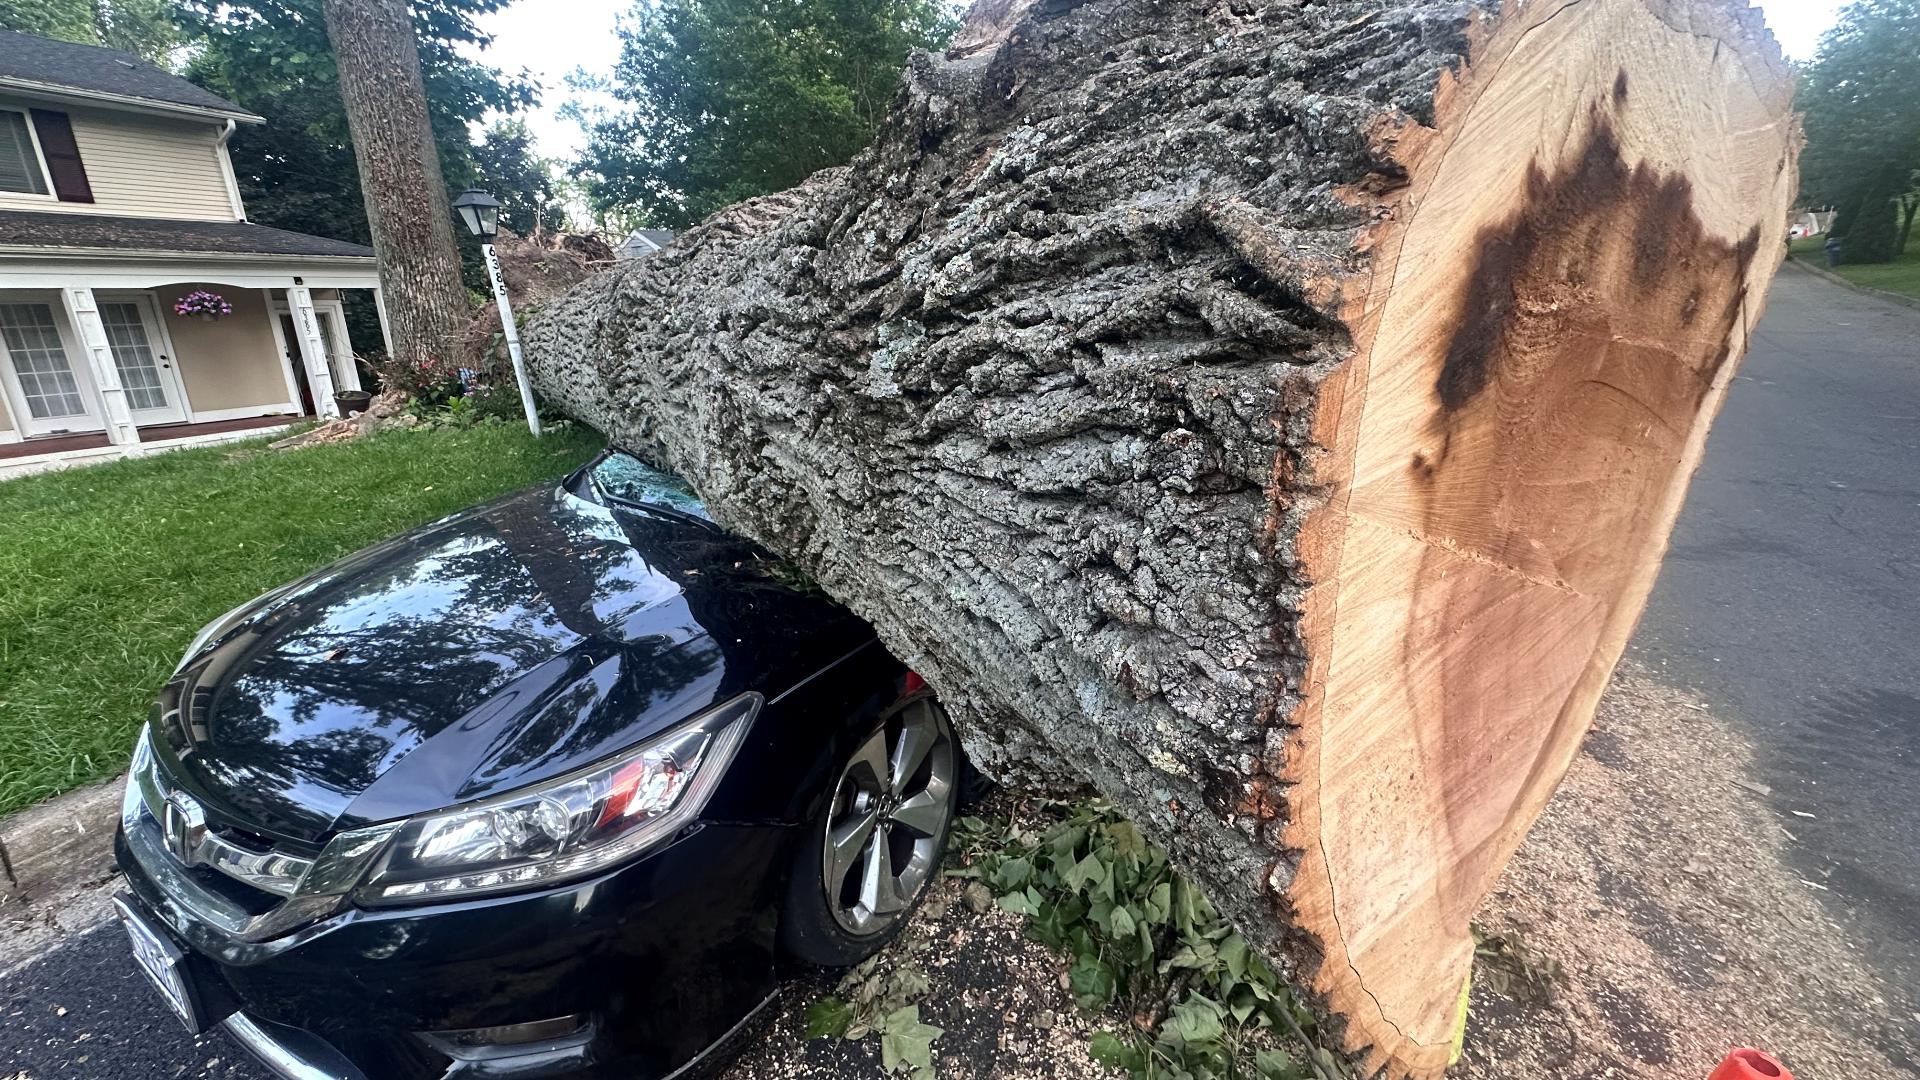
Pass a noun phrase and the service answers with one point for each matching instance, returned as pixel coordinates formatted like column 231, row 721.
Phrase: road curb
column 1818, row 271
column 60, row 843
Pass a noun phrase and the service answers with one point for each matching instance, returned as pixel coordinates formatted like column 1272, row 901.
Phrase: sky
column 550, row 38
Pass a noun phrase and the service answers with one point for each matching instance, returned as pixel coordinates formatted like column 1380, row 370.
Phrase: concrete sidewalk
column 56, row 870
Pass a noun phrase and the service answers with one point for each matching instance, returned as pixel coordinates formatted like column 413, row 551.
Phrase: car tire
column 843, row 909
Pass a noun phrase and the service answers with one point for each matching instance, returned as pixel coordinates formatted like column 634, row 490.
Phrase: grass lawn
column 1902, row 275
column 106, row 572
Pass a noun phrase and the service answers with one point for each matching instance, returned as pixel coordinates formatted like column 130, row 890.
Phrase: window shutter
column 62, row 155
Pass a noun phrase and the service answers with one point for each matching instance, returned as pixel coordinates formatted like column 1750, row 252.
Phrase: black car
column 557, row 786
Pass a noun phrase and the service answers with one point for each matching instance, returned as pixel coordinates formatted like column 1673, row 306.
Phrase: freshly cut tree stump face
column 1269, row 413
column 1551, row 325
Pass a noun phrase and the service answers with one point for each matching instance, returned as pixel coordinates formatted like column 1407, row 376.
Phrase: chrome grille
column 183, row 826
column 166, row 833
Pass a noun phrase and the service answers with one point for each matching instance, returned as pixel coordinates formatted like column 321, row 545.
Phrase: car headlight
column 571, row 827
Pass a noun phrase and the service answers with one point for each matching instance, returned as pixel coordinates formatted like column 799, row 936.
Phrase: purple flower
column 202, row 302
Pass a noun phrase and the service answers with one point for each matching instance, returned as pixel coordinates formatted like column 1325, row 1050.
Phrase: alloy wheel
column 890, row 811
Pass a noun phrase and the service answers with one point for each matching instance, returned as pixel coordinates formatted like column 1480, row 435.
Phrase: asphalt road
column 1791, row 598
column 84, row 1012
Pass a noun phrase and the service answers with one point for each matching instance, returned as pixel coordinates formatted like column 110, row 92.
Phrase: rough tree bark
column 1270, row 412
column 400, row 179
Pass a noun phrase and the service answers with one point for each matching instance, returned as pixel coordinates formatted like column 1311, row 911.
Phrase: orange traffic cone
column 1749, row 1064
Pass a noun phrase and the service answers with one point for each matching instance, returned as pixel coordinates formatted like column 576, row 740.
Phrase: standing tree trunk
column 1271, row 413
column 400, row 178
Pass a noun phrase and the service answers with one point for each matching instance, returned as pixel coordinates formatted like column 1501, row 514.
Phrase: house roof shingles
column 53, row 233
column 98, row 70
column 643, row 242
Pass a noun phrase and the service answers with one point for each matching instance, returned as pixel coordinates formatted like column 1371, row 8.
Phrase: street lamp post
column 480, row 212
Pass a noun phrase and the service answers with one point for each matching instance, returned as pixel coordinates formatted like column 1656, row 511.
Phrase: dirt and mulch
column 999, row 999
column 537, row 267
column 1648, row 925
column 387, row 410
column 1656, row 883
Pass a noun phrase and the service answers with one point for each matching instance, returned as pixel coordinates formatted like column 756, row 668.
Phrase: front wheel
column 871, row 855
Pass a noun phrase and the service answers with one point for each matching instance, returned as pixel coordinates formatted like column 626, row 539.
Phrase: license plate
column 163, row 962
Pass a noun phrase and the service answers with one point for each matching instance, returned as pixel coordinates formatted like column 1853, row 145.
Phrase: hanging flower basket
column 203, row 304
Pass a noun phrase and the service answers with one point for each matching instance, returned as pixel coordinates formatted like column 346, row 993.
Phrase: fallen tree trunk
column 1271, row 413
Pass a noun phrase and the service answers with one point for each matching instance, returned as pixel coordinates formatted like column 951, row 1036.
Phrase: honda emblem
column 185, row 824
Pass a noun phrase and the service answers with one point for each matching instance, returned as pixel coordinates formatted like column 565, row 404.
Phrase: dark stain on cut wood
column 1524, row 264
column 1691, row 309
column 1620, row 88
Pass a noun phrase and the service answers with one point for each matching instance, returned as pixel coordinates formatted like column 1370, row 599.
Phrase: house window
column 20, row 169
column 40, row 361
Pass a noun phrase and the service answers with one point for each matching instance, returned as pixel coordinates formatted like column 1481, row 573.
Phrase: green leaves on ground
column 906, row 1044
column 829, row 1018
column 1203, row 1006
column 875, row 998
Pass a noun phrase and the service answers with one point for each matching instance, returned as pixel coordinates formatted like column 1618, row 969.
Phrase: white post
column 335, row 317
column 380, row 307
column 84, row 313
column 513, row 338
column 313, row 350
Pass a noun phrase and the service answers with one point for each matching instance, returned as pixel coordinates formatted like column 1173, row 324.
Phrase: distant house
column 1808, row 223
column 117, row 201
column 641, row 243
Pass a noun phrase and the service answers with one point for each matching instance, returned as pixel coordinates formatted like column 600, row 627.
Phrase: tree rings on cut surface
column 1555, row 306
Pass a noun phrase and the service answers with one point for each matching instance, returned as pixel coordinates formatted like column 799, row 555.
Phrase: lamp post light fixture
column 480, row 213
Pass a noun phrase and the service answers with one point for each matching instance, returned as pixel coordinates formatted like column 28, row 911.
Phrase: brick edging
column 1820, row 271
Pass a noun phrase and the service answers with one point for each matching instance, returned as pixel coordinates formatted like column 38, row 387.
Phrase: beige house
column 117, row 200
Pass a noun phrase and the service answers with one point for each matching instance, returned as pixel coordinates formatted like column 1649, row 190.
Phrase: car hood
column 494, row 649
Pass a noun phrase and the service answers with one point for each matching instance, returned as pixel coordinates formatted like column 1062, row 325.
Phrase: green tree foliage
column 144, row 28
column 1872, row 227
column 1909, row 204
column 724, row 99
column 522, row 180
column 1862, row 103
column 297, row 170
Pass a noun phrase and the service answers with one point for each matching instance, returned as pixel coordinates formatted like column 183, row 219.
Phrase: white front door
column 49, row 392
column 146, row 371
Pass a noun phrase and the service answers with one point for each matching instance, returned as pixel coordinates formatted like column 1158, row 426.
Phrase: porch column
column 84, row 314
column 380, row 306
column 313, row 349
